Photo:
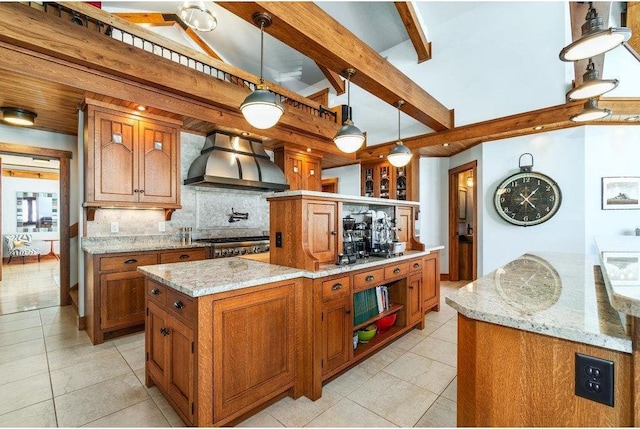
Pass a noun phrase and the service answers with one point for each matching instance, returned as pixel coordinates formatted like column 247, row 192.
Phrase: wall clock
column 527, row 198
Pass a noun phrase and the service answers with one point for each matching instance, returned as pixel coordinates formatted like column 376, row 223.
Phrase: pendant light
column 261, row 108
column 196, row 15
column 399, row 155
column 591, row 112
column 595, row 38
column 349, row 138
column 18, row 116
column 592, row 86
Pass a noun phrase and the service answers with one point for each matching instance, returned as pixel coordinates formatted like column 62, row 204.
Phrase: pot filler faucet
column 237, row 216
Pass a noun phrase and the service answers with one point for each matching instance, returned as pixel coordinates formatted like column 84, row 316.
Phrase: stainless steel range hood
column 229, row 161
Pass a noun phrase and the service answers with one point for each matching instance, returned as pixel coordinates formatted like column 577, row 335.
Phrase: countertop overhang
column 620, row 261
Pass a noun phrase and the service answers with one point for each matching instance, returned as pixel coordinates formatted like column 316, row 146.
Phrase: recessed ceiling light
column 18, row 116
column 141, row 108
column 633, row 118
column 538, row 128
column 380, row 156
column 244, row 134
column 445, row 144
column 308, row 149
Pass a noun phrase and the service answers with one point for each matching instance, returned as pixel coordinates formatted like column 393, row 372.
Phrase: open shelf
column 379, row 340
column 393, row 309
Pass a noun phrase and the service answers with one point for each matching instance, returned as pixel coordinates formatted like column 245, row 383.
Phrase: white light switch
column 115, row 227
column 161, row 226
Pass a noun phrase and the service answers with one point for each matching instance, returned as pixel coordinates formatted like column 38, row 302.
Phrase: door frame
column 65, row 188
column 454, row 274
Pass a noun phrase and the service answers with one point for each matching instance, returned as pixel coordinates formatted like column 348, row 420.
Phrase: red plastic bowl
column 386, row 322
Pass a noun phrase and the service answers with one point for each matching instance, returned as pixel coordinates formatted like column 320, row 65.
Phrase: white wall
column 434, row 205
column 348, row 178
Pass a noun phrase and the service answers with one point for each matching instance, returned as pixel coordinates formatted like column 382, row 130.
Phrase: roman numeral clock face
column 527, row 198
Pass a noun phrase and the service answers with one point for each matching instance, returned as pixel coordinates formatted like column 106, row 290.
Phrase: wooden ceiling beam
column 633, row 22
column 411, row 19
column 314, row 33
column 334, row 79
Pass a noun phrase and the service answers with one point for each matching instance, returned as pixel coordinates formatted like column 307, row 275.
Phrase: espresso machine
column 381, row 235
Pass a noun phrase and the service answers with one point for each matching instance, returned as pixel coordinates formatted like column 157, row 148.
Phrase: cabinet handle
column 396, row 271
column 334, row 233
column 369, row 278
column 178, row 304
column 336, row 286
column 347, row 312
column 130, row 261
column 416, row 265
column 184, row 256
column 399, row 229
column 136, row 191
column 164, row 331
column 155, row 291
column 411, row 287
column 142, row 191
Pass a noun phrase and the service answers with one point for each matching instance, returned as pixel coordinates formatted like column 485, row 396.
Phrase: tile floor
column 29, row 286
column 51, row 375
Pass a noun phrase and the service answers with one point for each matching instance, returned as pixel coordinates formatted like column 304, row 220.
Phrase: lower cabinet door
column 414, row 304
column 253, row 349
column 156, row 330
column 430, row 281
column 337, row 336
column 181, row 360
column 122, row 297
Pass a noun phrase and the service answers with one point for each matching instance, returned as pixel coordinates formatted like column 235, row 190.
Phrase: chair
column 20, row 245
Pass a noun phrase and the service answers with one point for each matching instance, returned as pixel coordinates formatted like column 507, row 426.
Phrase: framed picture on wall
column 620, row 193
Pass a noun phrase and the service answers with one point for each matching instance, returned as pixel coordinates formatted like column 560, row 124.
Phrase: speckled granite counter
column 555, row 294
column 620, row 261
column 211, row 276
column 138, row 243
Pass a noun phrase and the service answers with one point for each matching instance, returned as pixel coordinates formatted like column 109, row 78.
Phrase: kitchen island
column 226, row 336
column 520, row 330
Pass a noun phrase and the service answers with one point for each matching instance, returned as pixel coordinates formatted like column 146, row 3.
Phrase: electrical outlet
column 161, row 226
column 594, row 379
column 115, row 227
column 278, row 239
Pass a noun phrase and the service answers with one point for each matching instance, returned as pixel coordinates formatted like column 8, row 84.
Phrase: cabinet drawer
column 181, row 305
column 415, row 265
column 156, row 292
column 367, row 279
column 127, row 262
column 336, row 288
column 183, row 255
column 396, row 270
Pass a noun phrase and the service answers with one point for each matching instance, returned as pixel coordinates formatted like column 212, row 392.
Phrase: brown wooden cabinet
column 302, row 170
column 404, row 224
column 414, row 293
column 115, row 291
column 431, row 282
column 336, row 338
column 322, row 230
column 130, row 160
column 382, row 180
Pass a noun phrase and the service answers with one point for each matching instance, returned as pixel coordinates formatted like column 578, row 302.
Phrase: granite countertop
column 198, row 278
column 343, row 197
column 620, row 262
column 138, row 243
column 549, row 293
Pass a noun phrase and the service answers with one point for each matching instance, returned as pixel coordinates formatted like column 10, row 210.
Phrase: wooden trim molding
column 29, row 174
column 411, row 20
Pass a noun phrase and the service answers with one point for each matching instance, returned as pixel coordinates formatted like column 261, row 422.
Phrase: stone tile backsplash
column 205, row 209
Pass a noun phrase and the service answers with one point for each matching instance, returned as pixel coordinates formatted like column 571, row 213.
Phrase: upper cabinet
column 302, row 170
column 130, row 160
column 382, row 180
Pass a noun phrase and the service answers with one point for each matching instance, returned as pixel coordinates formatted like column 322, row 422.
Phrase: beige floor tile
column 99, row 400
column 398, row 401
column 349, row 381
column 347, row 413
column 57, row 314
column 129, row 342
column 430, row 327
column 299, row 412
column 423, row 372
column 442, row 414
column 446, row 333
column 108, row 365
column 57, row 342
column 64, row 327
column 18, row 325
column 436, row 349
column 15, row 337
column 451, row 392
column 41, row 415
column 406, row 342
column 140, row 374
column 142, row 414
column 378, row 361
column 443, row 315
column 25, row 392
column 19, row 316
column 134, row 357
column 21, row 350
column 74, row 355
column 261, row 420
column 165, row 408
column 23, row 368
column 453, row 322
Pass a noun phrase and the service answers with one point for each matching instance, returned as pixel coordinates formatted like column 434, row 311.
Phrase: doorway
column 463, row 215
column 30, row 213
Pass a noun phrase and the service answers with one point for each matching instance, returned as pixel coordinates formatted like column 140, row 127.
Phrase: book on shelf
column 365, row 306
column 382, row 296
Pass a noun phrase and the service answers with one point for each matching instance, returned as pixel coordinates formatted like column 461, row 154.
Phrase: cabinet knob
column 396, row 271
column 369, row 278
column 399, row 229
column 347, row 312
column 336, row 286
column 334, row 233
column 178, row 304
column 184, row 256
column 142, row 191
column 164, row 331
column 136, row 191
column 416, row 265
column 155, row 291
column 130, row 261
column 411, row 287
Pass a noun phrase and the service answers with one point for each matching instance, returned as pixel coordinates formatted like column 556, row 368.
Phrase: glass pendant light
column 196, row 15
column 592, row 86
column 18, row 116
column 591, row 112
column 595, row 38
column 262, row 109
column 399, row 155
column 349, row 138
